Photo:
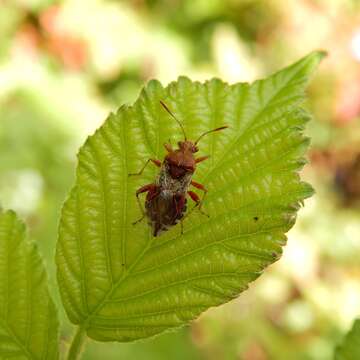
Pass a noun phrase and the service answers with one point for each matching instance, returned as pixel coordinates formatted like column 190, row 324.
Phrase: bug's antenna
column 168, row 110
column 210, row 131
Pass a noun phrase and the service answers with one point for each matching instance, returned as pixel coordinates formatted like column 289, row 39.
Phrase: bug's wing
column 165, row 210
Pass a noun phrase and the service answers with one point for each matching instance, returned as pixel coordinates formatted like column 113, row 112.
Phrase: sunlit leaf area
column 65, row 65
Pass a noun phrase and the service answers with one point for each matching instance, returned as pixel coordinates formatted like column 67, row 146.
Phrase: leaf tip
column 321, row 54
column 316, row 57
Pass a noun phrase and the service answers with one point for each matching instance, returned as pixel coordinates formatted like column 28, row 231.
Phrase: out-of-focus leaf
column 28, row 318
column 120, row 283
column 350, row 347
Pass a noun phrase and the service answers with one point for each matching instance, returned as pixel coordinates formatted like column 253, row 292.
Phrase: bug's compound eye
column 195, row 149
column 180, row 144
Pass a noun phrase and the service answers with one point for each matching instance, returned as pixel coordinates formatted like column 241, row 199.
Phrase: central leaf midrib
column 115, row 286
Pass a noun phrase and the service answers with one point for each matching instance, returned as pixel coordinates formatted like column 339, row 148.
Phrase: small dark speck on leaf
column 274, row 254
column 256, row 218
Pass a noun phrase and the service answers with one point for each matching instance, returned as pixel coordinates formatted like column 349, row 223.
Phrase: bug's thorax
column 173, row 184
column 177, row 168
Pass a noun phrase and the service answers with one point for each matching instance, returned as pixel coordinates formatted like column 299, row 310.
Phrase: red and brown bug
column 165, row 203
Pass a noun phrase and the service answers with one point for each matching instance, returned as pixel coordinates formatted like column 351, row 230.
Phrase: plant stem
column 77, row 344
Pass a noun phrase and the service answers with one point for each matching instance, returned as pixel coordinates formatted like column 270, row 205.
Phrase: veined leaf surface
column 350, row 347
column 119, row 282
column 28, row 318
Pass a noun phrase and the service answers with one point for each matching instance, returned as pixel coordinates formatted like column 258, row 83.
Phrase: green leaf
column 350, row 348
column 118, row 281
column 28, row 318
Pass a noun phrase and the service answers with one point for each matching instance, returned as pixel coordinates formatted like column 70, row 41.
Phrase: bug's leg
column 197, row 201
column 182, row 226
column 200, row 187
column 154, row 161
column 201, row 158
column 145, row 188
column 179, row 203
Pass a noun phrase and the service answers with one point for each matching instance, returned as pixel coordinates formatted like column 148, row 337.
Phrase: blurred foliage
column 350, row 347
column 65, row 64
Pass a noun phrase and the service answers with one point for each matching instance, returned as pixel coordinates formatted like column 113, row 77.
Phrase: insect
column 165, row 203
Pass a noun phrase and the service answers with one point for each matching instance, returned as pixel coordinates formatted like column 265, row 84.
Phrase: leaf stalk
column 77, row 344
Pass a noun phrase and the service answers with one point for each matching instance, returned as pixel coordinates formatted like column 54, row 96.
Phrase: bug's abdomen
column 165, row 210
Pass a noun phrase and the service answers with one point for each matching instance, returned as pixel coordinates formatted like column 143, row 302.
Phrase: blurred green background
column 64, row 65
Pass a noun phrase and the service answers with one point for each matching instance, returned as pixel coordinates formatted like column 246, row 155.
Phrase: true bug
column 165, row 202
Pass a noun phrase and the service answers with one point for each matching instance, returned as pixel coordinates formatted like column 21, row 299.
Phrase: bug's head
column 188, row 146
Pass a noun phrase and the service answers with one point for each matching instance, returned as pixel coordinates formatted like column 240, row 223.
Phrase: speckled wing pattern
column 119, row 282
